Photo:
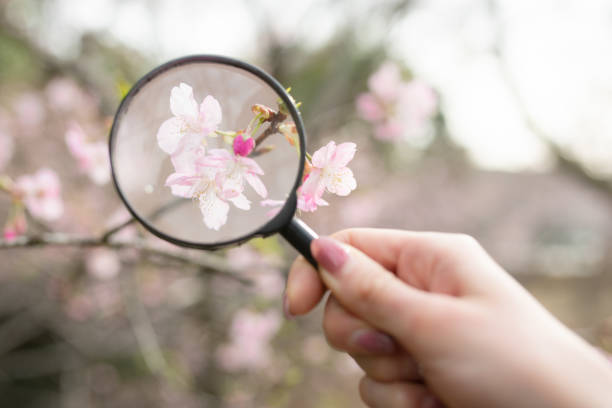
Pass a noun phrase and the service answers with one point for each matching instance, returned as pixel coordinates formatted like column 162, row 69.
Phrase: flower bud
column 290, row 132
column 243, row 146
column 265, row 111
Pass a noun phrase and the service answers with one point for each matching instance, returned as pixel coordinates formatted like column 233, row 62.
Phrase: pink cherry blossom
column 210, row 196
column 102, row 263
column 329, row 172
column 41, row 193
column 92, row 157
column 396, row 108
column 249, row 341
column 184, row 135
column 64, row 94
column 219, row 177
column 215, row 179
column 234, row 171
column 30, row 111
column 15, row 226
column 243, row 146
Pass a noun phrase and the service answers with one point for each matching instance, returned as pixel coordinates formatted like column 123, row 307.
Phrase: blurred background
column 506, row 134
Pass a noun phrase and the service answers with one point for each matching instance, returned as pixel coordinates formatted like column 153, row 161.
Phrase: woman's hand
column 434, row 321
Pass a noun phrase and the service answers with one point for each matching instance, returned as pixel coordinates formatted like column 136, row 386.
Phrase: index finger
column 304, row 286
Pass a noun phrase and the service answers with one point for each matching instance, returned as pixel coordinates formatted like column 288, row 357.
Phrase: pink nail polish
column 330, row 255
column 373, row 341
column 286, row 309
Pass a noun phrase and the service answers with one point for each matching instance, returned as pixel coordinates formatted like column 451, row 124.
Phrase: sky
column 557, row 53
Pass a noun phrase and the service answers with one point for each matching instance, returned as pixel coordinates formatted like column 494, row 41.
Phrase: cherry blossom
column 16, row 224
column 396, row 108
column 92, row 157
column 249, row 345
column 329, row 172
column 103, row 263
column 30, row 111
column 217, row 178
column 235, row 170
column 212, row 200
column 41, row 193
column 184, row 135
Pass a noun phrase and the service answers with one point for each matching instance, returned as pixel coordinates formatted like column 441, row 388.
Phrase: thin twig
column 212, row 263
column 276, row 120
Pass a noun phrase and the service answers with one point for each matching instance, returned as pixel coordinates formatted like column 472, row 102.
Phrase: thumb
column 371, row 292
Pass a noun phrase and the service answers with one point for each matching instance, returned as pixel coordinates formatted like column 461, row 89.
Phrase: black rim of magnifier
column 284, row 216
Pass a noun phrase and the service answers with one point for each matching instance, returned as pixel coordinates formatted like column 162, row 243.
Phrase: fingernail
column 330, row 255
column 431, row 402
column 286, row 309
column 373, row 341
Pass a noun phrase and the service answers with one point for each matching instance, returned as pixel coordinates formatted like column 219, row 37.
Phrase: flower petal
column 369, row 107
column 182, row 102
column 210, row 114
column 384, row 83
column 251, row 165
column 257, row 184
column 343, row 154
column 169, row 134
column 342, row 182
column 321, row 157
column 214, row 210
column 241, row 202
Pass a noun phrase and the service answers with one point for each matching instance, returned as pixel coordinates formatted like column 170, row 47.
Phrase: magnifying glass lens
column 205, row 152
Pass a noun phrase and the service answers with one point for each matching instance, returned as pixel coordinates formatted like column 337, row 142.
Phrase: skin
column 456, row 329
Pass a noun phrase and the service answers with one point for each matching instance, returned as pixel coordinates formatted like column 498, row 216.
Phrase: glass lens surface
column 205, row 152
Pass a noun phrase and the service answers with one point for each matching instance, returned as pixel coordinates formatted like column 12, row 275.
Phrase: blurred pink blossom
column 64, row 94
column 41, row 193
column 249, row 344
column 30, row 110
column 16, row 225
column 329, row 172
column 102, row 263
column 396, row 108
column 269, row 285
column 92, row 157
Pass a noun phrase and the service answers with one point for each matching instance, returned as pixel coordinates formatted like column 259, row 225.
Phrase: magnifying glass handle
column 300, row 235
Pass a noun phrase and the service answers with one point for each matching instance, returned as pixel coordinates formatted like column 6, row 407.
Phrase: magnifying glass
column 202, row 145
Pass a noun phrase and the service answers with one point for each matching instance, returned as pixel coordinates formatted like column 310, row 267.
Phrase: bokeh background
column 516, row 152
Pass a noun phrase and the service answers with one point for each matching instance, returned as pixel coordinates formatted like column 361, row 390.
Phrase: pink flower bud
column 9, row 233
column 243, row 147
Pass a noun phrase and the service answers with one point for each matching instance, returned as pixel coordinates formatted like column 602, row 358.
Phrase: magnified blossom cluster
column 217, row 177
column 397, row 108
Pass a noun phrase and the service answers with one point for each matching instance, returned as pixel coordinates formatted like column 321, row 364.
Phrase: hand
column 434, row 321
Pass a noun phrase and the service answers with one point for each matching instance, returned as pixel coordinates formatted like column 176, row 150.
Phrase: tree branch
column 276, row 120
column 211, row 263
